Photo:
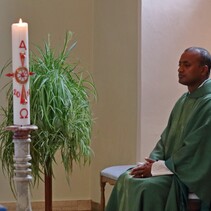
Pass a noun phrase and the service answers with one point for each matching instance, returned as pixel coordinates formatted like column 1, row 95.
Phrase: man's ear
column 205, row 70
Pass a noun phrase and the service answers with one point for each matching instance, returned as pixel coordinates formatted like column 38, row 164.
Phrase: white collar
column 204, row 82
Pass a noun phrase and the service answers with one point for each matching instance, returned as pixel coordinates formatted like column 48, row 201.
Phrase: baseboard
column 95, row 206
column 73, row 205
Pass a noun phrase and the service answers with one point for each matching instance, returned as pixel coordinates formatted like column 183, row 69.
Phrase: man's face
column 190, row 70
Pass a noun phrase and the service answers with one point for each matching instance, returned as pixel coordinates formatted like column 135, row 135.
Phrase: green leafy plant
column 60, row 96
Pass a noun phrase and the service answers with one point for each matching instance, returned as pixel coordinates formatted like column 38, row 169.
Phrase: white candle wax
column 20, row 66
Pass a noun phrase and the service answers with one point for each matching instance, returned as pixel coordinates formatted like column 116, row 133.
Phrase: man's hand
column 143, row 170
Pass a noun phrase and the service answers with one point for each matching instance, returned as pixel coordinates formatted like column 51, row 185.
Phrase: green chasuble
column 185, row 146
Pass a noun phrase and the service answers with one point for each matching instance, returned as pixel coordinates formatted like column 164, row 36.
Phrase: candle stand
column 22, row 171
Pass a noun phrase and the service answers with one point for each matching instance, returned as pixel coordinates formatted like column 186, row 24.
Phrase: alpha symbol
column 22, row 45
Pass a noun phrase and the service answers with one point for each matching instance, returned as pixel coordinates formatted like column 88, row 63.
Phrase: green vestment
column 185, row 146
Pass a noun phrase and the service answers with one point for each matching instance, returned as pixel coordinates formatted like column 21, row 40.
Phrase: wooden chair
column 110, row 175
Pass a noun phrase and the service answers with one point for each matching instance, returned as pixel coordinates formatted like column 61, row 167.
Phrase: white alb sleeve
column 159, row 168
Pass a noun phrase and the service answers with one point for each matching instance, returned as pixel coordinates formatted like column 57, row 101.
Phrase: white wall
column 168, row 28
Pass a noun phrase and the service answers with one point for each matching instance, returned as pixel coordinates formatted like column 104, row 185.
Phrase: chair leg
column 194, row 205
column 102, row 186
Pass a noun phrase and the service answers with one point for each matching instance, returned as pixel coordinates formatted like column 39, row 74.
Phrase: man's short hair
column 205, row 56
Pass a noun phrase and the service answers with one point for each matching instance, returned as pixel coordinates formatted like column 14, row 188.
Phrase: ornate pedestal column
column 22, row 176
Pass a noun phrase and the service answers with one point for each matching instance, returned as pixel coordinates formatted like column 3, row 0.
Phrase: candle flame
column 20, row 20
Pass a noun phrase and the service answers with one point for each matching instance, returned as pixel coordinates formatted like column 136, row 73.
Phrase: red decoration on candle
column 24, row 113
column 31, row 73
column 22, row 58
column 22, row 75
column 9, row 75
column 22, row 45
column 23, row 99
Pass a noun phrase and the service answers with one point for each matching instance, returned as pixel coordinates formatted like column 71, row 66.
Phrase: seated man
column 180, row 161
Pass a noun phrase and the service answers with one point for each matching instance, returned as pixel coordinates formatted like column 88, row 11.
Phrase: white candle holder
column 22, row 171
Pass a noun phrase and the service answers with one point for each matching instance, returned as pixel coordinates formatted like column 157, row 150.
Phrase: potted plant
column 60, row 106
